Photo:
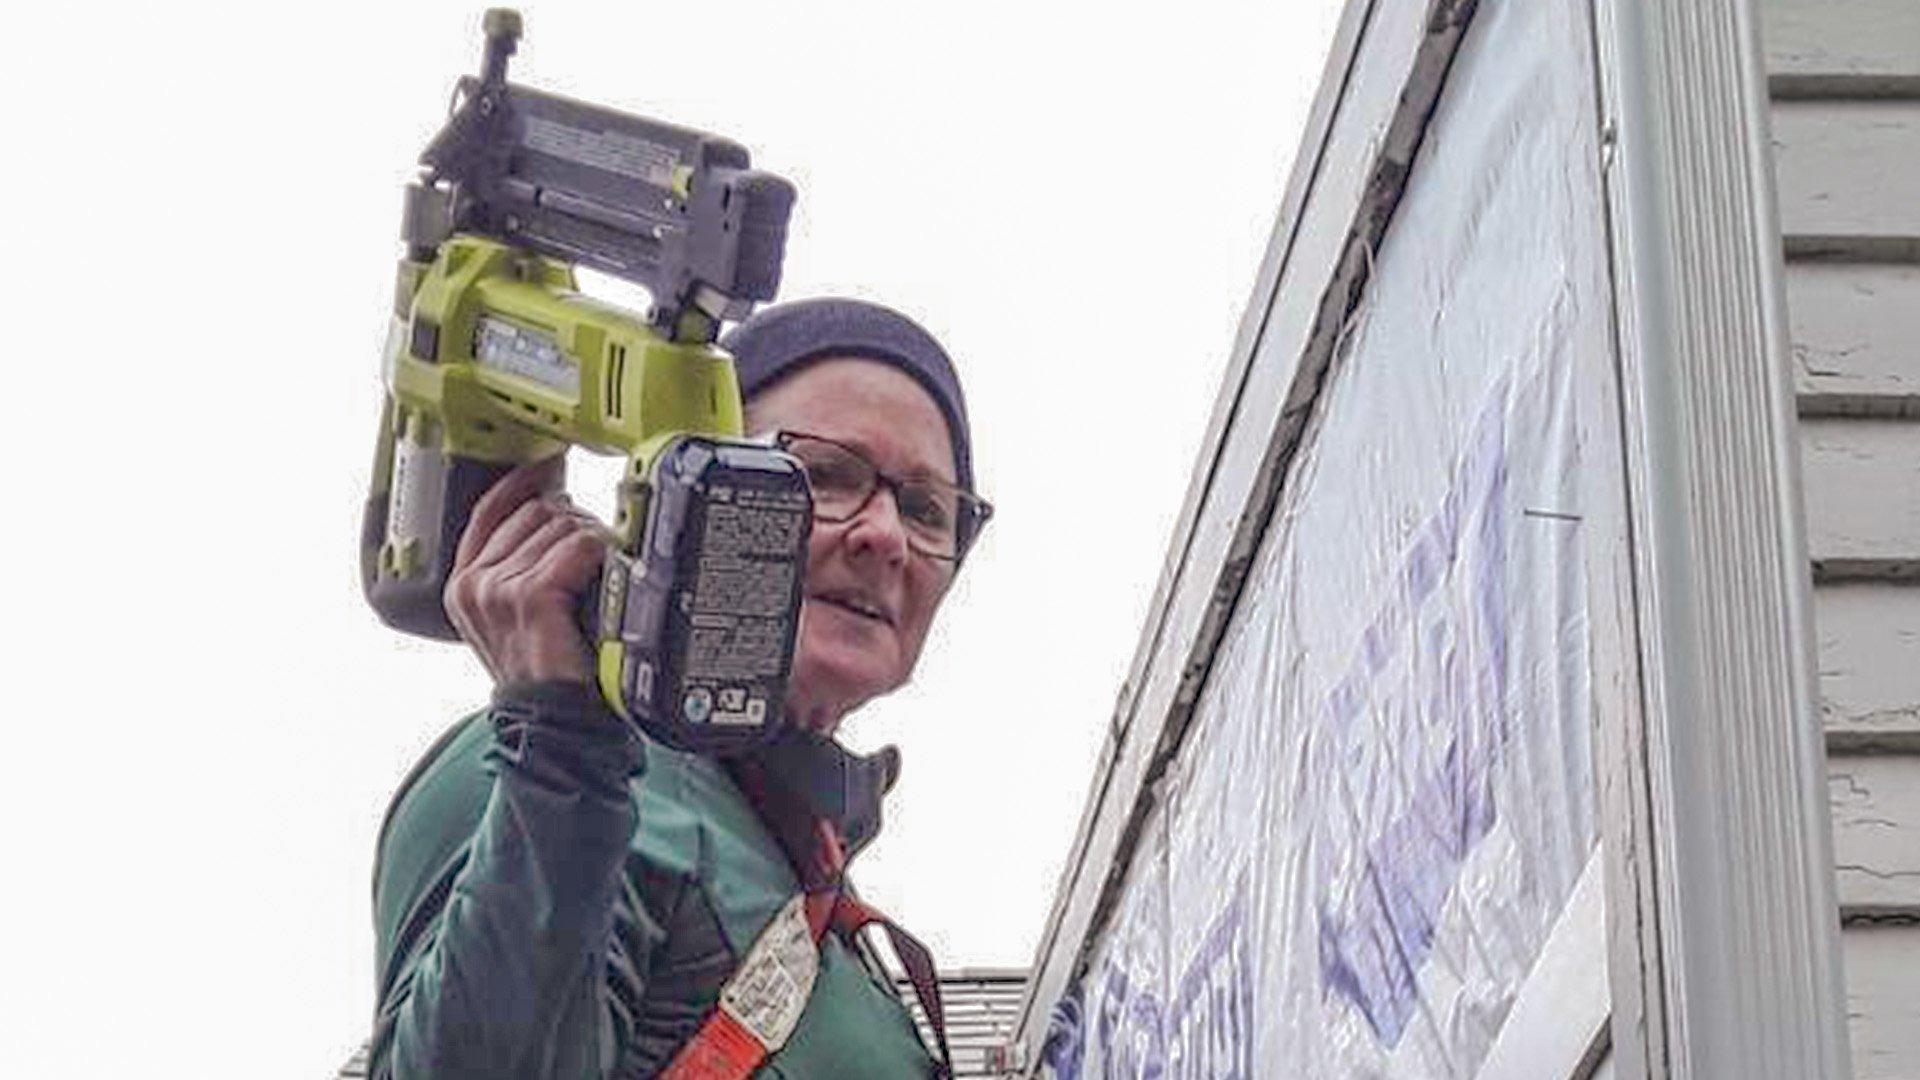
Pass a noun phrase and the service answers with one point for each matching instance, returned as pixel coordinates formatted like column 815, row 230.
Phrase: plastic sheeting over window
column 1387, row 794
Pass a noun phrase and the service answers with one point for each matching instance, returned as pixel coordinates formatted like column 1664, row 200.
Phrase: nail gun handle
column 411, row 529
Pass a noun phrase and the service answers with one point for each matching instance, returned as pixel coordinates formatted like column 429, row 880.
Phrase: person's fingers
column 528, row 554
column 572, row 563
column 527, row 603
column 528, row 551
column 505, row 496
column 525, row 520
column 517, row 543
column 519, row 588
column 474, row 600
column 600, row 528
column 462, row 612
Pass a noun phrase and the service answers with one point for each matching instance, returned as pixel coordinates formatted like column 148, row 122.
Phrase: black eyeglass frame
column 971, row 511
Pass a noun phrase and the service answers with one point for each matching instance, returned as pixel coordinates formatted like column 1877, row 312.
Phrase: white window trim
column 1717, row 835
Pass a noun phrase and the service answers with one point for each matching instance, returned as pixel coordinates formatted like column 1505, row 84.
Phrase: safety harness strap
column 723, row 1049
column 762, row 1000
column 850, row 916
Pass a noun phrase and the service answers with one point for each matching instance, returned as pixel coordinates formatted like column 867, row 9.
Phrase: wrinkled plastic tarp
column 1388, row 795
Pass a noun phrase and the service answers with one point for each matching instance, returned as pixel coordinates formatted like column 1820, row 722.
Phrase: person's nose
column 877, row 529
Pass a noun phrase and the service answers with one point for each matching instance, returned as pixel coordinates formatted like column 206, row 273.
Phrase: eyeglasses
column 940, row 519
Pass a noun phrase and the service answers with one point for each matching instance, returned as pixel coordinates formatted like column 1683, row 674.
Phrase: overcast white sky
column 205, row 721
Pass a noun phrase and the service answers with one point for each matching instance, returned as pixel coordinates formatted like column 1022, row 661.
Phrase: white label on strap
column 769, row 990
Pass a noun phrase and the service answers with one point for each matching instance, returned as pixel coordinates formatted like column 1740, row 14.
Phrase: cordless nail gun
column 494, row 359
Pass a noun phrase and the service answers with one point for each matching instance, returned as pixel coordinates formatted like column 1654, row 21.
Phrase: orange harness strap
column 724, row 1049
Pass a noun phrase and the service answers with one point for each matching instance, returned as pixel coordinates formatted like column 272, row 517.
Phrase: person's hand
column 526, row 556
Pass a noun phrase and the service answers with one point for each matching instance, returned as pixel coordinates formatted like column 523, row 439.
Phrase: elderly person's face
column 869, row 596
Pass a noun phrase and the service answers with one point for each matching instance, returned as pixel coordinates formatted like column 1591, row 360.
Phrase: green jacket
column 557, row 897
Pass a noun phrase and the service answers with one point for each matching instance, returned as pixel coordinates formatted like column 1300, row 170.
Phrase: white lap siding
column 1845, row 76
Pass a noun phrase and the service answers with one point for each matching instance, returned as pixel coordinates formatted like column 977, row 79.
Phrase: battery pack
column 704, row 613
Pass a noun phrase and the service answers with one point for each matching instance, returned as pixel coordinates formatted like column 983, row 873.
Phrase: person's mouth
column 857, row 603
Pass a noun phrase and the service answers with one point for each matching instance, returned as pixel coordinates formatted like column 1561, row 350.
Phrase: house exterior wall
column 1845, row 81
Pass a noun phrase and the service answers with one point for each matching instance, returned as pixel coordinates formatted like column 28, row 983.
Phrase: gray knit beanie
column 776, row 341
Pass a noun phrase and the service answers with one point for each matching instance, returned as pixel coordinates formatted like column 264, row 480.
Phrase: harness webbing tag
column 772, row 985
column 760, row 1004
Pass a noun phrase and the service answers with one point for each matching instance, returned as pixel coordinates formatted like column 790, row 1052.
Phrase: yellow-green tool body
column 528, row 363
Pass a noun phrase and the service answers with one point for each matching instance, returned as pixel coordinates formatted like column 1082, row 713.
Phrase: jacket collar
column 800, row 778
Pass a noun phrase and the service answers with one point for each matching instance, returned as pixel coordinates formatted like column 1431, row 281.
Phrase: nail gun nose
column 501, row 23
column 502, row 27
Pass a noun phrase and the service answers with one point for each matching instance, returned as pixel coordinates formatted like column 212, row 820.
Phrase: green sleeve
column 496, row 896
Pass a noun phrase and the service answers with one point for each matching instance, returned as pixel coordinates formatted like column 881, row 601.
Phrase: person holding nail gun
column 558, row 895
